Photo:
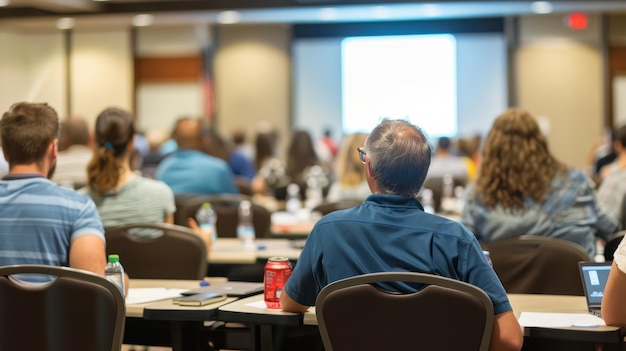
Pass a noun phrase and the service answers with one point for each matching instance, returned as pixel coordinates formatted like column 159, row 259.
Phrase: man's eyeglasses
column 361, row 154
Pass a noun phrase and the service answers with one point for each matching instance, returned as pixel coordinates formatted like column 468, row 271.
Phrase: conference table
column 182, row 324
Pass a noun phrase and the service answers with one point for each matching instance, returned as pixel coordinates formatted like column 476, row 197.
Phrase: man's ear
column 54, row 148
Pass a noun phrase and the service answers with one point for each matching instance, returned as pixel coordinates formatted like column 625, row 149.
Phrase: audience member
column 302, row 162
column 154, row 137
column 613, row 307
column 265, row 150
column 613, row 186
column 74, row 153
column 522, row 189
column 350, row 183
column 326, row 148
column 43, row 223
column 242, row 167
column 469, row 149
column 190, row 170
column 390, row 232
column 240, row 145
column 446, row 163
column 121, row 196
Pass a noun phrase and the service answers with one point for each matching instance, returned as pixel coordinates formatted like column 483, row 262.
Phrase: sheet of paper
column 553, row 320
column 257, row 304
column 143, row 295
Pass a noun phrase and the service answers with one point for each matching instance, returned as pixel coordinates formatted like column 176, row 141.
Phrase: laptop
column 231, row 289
column 594, row 277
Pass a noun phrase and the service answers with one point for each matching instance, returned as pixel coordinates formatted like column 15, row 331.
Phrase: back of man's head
column 399, row 155
column 73, row 132
column 27, row 130
column 443, row 144
column 188, row 133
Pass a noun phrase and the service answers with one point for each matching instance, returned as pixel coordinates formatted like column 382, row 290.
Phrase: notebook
column 232, row 289
column 594, row 276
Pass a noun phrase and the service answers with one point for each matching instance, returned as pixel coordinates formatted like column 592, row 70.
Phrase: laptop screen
column 595, row 276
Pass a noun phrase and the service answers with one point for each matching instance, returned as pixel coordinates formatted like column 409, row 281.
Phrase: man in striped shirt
column 40, row 222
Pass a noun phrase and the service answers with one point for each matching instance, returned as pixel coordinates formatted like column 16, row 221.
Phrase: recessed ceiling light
column 431, row 10
column 229, row 17
column 381, row 12
column 328, row 14
column 143, row 20
column 65, row 23
column 4, row 3
column 542, row 7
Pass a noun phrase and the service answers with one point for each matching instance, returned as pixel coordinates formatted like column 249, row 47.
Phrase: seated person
column 190, row 170
column 446, row 163
column 121, row 195
column 613, row 307
column 43, row 223
column 390, row 232
column 613, row 187
column 74, row 154
column 522, row 189
column 350, row 183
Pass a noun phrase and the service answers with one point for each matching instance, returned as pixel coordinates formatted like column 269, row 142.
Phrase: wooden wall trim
column 168, row 69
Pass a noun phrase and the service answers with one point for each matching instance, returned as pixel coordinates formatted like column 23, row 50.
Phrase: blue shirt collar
column 394, row 200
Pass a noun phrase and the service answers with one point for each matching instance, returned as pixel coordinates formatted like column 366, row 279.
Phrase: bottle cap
column 206, row 205
column 113, row 258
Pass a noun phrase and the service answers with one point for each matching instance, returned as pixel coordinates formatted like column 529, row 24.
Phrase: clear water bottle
column 448, row 203
column 245, row 228
column 114, row 271
column 314, row 194
column 206, row 219
column 293, row 203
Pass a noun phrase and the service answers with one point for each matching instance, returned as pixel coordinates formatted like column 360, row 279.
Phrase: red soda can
column 277, row 271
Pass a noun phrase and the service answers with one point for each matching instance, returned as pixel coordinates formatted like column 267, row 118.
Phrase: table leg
column 187, row 336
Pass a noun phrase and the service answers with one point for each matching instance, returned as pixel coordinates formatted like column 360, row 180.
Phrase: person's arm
column 206, row 236
column 613, row 306
column 87, row 252
column 506, row 334
column 289, row 305
column 169, row 218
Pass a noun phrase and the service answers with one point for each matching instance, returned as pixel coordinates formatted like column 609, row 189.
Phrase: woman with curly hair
column 522, row 189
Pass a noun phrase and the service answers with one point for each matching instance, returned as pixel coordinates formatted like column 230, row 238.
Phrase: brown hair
column 27, row 130
column 516, row 162
column 301, row 154
column 114, row 131
column 350, row 169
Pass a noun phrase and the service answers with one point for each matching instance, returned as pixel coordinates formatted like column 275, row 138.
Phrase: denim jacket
column 569, row 212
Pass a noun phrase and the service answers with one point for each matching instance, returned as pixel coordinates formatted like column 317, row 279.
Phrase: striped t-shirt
column 39, row 220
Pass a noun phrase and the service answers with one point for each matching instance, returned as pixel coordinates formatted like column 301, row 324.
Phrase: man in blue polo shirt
column 189, row 170
column 391, row 232
column 41, row 222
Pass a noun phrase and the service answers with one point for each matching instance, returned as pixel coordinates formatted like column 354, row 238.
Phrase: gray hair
column 399, row 155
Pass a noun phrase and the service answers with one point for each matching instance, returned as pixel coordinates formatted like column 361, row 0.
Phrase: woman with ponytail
column 121, row 195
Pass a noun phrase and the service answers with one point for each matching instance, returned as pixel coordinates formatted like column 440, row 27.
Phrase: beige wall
column 559, row 74
column 102, row 72
column 252, row 77
column 32, row 69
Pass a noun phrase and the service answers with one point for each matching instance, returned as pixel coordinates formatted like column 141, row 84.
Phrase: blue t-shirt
column 390, row 233
column 39, row 220
column 194, row 172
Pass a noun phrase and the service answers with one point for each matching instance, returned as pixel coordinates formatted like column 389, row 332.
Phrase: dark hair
column 301, row 154
column 27, row 130
column 443, row 143
column 265, row 143
column 399, row 155
column 114, row 131
column 619, row 135
column 218, row 146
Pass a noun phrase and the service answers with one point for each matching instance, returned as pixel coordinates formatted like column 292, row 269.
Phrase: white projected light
column 409, row 77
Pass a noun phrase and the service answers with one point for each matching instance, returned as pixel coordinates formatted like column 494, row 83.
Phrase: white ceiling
column 352, row 13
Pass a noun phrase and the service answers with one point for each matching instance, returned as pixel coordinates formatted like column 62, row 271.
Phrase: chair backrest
column 612, row 244
column 178, row 253
column 354, row 314
column 532, row 264
column 226, row 208
column 76, row 311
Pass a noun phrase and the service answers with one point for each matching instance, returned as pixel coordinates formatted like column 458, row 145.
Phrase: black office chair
column 177, row 253
column 78, row 310
column 354, row 314
column 532, row 264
